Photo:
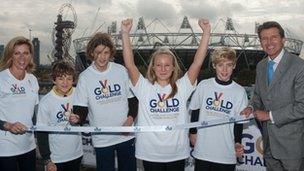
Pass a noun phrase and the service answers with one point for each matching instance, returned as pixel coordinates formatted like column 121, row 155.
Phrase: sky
column 18, row 17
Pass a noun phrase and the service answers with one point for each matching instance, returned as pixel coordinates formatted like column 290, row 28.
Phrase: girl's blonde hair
column 151, row 76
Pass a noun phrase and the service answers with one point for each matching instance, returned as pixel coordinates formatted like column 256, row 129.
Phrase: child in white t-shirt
column 216, row 148
column 103, row 94
column 59, row 151
column 162, row 100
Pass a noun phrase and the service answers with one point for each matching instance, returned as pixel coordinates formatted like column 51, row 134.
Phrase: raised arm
column 201, row 51
column 128, row 55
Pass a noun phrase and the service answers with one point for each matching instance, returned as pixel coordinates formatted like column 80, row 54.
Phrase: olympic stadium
column 148, row 35
column 184, row 43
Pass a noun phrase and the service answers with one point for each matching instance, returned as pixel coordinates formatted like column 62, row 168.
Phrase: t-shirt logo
column 162, row 99
column 104, row 86
column 107, row 90
column 217, row 99
column 163, row 104
column 63, row 115
column 217, row 103
column 15, row 89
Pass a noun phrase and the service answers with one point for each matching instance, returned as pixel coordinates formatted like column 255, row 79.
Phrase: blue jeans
column 105, row 157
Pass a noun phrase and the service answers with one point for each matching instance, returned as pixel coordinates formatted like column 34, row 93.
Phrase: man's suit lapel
column 280, row 70
column 264, row 76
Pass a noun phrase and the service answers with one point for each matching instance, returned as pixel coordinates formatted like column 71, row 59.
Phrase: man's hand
column 261, row 115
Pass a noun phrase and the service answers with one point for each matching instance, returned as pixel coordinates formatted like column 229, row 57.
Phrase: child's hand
column 193, row 138
column 205, row 25
column 74, row 119
column 51, row 166
column 247, row 111
column 128, row 122
column 126, row 25
column 239, row 149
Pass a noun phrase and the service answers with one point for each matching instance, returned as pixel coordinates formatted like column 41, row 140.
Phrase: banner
column 118, row 129
column 253, row 159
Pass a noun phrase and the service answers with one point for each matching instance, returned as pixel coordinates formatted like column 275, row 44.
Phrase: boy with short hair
column 103, row 95
column 61, row 151
column 216, row 148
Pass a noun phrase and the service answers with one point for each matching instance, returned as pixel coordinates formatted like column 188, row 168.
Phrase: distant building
column 36, row 43
column 1, row 50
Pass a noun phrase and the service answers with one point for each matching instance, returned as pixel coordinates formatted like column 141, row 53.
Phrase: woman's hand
column 15, row 128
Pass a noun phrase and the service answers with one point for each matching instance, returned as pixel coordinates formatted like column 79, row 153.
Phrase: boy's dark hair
column 61, row 68
column 100, row 39
column 271, row 24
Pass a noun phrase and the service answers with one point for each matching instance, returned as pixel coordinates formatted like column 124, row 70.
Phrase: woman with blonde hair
column 162, row 100
column 19, row 95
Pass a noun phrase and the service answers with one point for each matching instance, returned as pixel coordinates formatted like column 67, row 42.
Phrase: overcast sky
column 17, row 17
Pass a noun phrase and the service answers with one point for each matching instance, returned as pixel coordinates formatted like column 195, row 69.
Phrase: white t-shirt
column 153, row 110
column 17, row 102
column 216, row 144
column 51, row 112
column 106, row 96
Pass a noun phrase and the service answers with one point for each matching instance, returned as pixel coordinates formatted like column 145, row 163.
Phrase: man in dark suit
column 278, row 101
